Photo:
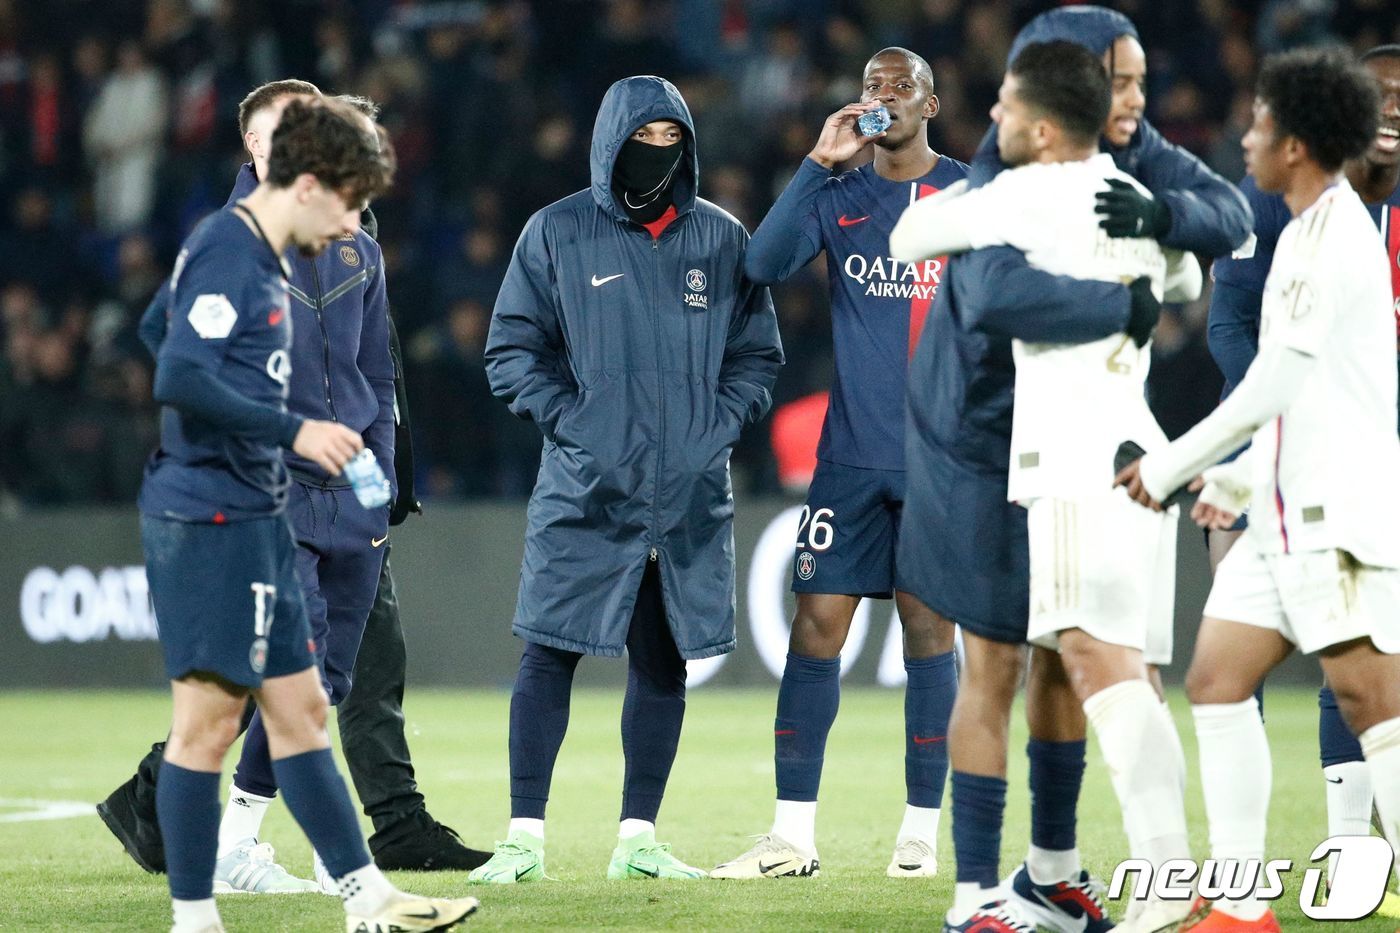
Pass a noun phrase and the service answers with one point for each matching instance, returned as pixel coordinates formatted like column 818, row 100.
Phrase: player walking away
column 626, row 330
column 970, row 560
column 219, row 551
column 342, row 358
column 1101, row 578
column 846, row 537
column 1319, row 567
column 1234, row 338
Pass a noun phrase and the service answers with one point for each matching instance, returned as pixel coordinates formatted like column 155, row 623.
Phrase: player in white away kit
column 1102, row 572
column 1319, row 568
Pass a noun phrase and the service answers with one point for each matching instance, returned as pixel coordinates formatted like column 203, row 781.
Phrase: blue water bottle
column 368, row 480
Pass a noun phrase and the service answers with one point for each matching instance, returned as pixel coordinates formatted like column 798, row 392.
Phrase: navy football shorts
column 227, row 599
column 846, row 536
column 963, row 551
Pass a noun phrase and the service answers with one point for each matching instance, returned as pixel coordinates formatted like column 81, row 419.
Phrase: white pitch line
column 34, row 811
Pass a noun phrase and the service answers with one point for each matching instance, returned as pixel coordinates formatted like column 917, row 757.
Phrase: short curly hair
column 1323, row 98
column 328, row 139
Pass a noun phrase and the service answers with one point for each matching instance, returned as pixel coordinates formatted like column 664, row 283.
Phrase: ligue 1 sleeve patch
column 212, row 317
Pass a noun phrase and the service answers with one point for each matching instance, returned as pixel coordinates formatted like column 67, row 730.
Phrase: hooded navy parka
column 640, row 359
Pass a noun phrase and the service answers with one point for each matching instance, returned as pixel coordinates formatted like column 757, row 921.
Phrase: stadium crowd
column 118, row 132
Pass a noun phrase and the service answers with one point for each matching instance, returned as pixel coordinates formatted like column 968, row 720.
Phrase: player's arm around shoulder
column 1208, row 214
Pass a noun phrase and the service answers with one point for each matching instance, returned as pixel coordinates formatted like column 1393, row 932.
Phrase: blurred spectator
column 116, row 137
column 123, row 141
column 36, row 250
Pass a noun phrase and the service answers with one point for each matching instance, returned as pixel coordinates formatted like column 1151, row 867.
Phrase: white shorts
column 1312, row 598
column 1107, row 566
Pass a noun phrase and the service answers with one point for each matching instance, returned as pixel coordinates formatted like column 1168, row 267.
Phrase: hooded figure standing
column 626, row 330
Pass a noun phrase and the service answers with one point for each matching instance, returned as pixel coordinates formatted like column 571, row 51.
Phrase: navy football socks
column 808, row 697
column 928, row 702
column 1057, row 772
column 187, row 803
column 539, row 716
column 319, row 801
column 1335, row 741
column 254, row 770
column 978, row 806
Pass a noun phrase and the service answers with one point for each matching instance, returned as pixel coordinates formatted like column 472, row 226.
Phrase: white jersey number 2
column 819, row 530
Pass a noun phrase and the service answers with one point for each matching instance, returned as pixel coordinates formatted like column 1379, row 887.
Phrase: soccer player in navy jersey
column 969, row 560
column 847, row 532
column 219, row 551
column 1234, row 341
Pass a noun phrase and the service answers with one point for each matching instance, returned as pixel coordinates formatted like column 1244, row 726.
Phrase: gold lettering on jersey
column 1298, row 298
column 1117, row 365
column 1139, row 249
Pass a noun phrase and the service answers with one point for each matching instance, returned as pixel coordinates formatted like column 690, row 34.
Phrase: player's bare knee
column 927, row 635
column 1215, row 683
column 818, row 634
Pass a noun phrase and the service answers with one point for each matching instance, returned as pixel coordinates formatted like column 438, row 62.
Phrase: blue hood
column 628, row 104
column 1093, row 27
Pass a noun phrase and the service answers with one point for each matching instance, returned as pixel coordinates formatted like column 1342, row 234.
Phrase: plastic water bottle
column 874, row 122
column 368, row 480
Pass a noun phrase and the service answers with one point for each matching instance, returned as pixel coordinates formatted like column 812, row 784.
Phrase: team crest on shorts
column 806, row 565
column 257, row 655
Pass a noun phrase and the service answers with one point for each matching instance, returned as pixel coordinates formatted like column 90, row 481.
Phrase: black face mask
column 644, row 177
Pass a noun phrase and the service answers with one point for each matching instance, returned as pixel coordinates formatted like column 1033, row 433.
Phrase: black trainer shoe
column 134, row 826
column 420, row 843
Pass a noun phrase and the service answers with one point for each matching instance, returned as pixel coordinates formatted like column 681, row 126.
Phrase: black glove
column 1128, row 212
column 1143, row 312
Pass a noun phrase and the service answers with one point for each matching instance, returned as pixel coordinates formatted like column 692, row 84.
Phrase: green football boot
column 641, row 856
column 520, row 858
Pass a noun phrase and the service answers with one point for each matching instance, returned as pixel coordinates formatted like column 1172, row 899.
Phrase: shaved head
column 917, row 66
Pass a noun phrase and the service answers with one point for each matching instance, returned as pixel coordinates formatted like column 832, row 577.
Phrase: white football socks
column 242, row 819
column 365, row 891
column 967, row 897
column 195, row 916
column 1348, row 787
column 1381, row 746
column 1236, row 780
column 795, row 822
column 629, row 828
column 1051, row 866
column 1134, row 733
column 525, row 825
column 919, row 823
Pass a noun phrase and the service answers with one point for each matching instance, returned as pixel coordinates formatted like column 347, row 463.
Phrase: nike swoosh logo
column 597, row 281
column 1337, row 781
column 523, row 872
column 927, row 740
column 653, row 873
column 765, row 869
column 431, row 916
column 375, row 542
column 844, row 221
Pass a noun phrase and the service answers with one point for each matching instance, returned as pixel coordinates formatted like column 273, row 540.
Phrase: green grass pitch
column 67, row 874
